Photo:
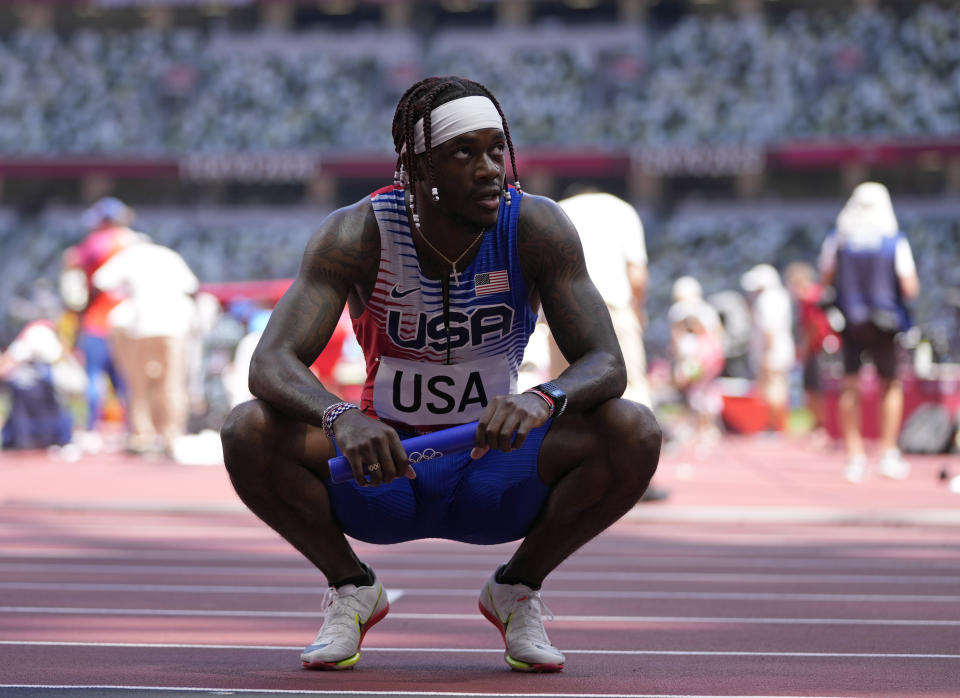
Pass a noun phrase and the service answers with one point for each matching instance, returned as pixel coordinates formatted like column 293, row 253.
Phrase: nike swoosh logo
column 395, row 292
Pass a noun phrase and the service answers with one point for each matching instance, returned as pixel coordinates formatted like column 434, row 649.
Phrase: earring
column 413, row 213
column 435, row 194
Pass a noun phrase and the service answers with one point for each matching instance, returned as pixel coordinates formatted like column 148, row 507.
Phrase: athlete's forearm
column 299, row 329
column 594, row 378
column 301, row 325
column 582, row 327
column 281, row 379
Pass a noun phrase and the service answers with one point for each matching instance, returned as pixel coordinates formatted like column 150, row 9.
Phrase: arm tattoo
column 338, row 260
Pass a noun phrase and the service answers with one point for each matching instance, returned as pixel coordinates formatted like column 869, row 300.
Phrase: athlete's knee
column 243, row 434
column 633, row 438
column 634, row 426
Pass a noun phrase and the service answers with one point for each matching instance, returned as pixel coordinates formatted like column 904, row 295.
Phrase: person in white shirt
column 772, row 350
column 615, row 251
column 156, row 318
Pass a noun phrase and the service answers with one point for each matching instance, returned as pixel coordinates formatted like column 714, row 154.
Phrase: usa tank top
column 421, row 373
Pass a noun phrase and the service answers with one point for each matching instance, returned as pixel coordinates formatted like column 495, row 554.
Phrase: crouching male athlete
column 443, row 273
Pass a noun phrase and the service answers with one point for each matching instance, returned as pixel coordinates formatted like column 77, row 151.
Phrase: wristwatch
column 556, row 394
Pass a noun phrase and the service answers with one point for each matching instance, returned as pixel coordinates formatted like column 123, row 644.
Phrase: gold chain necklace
column 452, row 262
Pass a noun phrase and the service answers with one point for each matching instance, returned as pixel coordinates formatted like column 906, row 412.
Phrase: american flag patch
column 491, row 282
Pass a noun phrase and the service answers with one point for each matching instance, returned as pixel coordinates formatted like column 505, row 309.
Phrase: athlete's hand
column 366, row 441
column 507, row 420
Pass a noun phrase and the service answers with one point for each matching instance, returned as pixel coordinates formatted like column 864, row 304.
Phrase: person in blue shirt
column 869, row 262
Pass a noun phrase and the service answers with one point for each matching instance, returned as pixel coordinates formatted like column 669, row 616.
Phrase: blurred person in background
column 38, row 376
column 772, row 349
column 734, row 312
column 108, row 221
column 206, row 318
column 953, row 302
column 697, row 357
column 443, row 274
column 870, row 264
column 236, row 374
column 816, row 338
column 155, row 319
column 229, row 327
column 615, row 251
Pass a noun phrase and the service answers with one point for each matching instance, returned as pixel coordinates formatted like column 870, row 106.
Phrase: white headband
column 456, row 117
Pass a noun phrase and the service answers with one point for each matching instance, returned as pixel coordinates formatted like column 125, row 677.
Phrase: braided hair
column 418, row 102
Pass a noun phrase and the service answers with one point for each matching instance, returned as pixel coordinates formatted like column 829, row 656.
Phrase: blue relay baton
column 418, row 448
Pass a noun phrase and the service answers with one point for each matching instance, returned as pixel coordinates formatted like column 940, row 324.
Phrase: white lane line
column 459, row 694
column 470, row 650
column 78, row 610
column 483, row 560
column 946, row 516
column 710, row 595
column 560, row 593
column 166, row 529
column 388, row 572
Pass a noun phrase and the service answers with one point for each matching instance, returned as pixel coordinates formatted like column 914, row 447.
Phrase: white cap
column 867, row 216
column 687, row 288
column 760, row 277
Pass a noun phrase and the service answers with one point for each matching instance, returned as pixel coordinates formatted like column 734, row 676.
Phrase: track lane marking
column 77, row 610
column 468, row 650
column 261, row 691
column 559, row 593
column 387, row 572
column 939, row 557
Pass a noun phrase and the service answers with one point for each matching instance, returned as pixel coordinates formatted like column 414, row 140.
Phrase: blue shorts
column 493, row 499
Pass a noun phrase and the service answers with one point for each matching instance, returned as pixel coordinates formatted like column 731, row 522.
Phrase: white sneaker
column 855, row 468
column 349, row 612
column 517, row 611
column 893, row 466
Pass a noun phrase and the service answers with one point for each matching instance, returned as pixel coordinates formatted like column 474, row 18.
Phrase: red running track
column 670, row 602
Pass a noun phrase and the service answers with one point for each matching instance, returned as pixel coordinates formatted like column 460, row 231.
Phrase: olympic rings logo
column 425, row 454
